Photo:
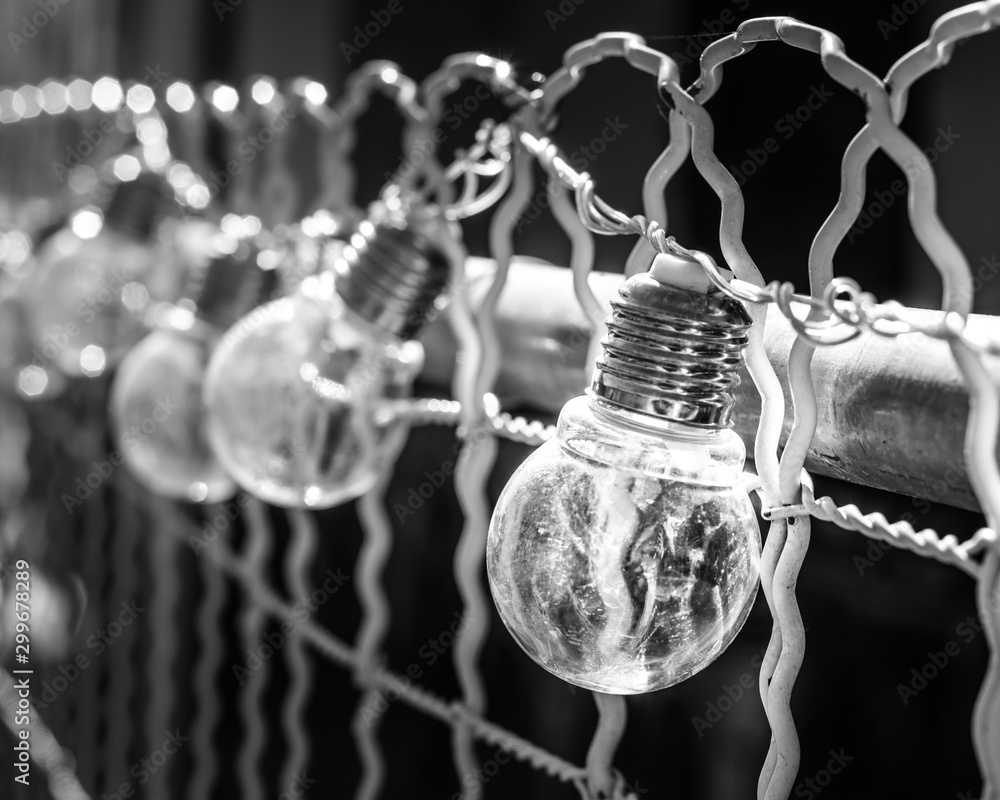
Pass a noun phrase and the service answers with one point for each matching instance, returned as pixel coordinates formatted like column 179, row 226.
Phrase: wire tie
column 784, row 512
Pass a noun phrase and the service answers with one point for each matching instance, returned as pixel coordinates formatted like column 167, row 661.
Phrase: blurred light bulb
column 87, row 286
column 156, row 399
column 293, row 388
column 24, row 366
column 623, row 555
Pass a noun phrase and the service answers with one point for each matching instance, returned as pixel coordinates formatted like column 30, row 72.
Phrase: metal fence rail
column 796, row 331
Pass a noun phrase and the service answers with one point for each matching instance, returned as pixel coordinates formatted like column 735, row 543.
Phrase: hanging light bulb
column 24, row 367
column 623, row 554
column 89, row 288
column 293, row 388
column 157, row 409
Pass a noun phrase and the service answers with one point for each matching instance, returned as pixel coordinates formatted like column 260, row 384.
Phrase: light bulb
column 293, row 388
column 24, row 367
column 90, row 287
column 157, row 408
column 623, row 554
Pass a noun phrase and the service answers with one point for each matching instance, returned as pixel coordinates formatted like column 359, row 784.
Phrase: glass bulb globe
column 87, row 295
column 623, row 554
column 25, row 369
column 158, row 415
column 291, row 393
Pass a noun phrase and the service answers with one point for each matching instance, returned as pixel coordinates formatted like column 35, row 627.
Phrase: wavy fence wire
column 837, row 310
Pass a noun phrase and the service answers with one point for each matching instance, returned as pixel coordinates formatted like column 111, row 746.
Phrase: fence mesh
column 833, row 311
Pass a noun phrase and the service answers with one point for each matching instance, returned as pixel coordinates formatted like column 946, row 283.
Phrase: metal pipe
column 892, row 412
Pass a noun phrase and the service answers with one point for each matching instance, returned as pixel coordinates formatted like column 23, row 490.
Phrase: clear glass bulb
column 25, row 369
column 87, row 293
column 623, row 555
column 292, row 392
column 158, row 414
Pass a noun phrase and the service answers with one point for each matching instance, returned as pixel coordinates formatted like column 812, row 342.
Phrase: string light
column 623, row 554
column 293, row 388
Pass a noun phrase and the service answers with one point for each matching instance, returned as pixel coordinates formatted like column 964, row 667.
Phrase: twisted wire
column 475, row 461
column 50, row 98
column 927, row 226
column 835, row 319
column 612, row 715
column 375, row 551
column 781, row 764
column 986, row 713
column 434, row 411
column 787, row 648
column 926, row 542
column 299, row 560
column 453, row 713
column 124, row 553
column 163, row 605
column 258, row 550
column 210, row 652
column 496, row 74
column 611, row 709
column 612, row 712
column 581, row 262
column 654, row 187
column 45, row 750
column 984, row 411
column 984, row 475
column 381, row 76
column 92, row 721
column 829, row 313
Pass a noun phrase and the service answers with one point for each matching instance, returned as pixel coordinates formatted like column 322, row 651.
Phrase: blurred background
column 869, row 626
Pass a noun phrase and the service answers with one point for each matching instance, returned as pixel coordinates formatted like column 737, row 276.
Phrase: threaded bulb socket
column 134, row 206
column 232, row 285
column 672, row 353
column 394, row 275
